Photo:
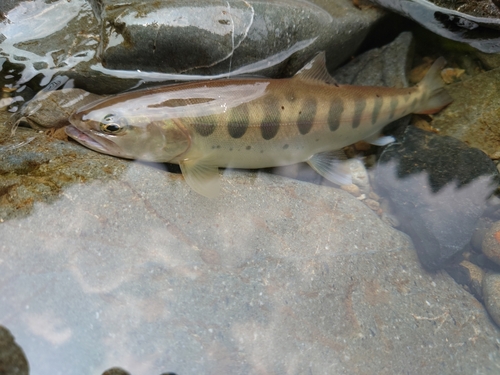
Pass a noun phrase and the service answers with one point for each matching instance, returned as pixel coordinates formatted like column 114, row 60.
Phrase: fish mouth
column 86, row 140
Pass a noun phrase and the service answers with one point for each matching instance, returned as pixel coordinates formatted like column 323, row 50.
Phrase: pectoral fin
column 331, row 165
column 202, row 176
column 378, row 140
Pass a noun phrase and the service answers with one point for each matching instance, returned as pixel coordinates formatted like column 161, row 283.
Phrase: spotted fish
column 250, row 123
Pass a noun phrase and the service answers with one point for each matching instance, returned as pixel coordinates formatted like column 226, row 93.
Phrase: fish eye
column 111, row 125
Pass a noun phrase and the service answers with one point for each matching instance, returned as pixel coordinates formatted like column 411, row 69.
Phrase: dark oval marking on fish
column 306, row 115
column 238, row 121
column 359, row 107
column 205, row 125
column 394, row 106
column 376, row 109
column 285, row 147
column 334, row 114
column 270, row 125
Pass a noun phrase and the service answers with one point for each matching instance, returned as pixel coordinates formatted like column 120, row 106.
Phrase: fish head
column 118, row 133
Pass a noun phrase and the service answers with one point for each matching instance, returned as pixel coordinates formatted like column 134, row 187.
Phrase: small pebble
column 451, row 75
column 373, row 196
column 352, row 189
column 491, row 243
column 483, row 225
column 373, row 204
column 491, row 294
column 359, row 175
column 362, row 146
column 370, row 160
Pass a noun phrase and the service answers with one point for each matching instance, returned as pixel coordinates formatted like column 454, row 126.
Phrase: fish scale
column 250, row 123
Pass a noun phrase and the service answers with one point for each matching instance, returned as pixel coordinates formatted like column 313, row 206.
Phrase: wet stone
column 115, row 371
column 352, row 189
column 51, row 109
column 491, row 293
column 473, row 115
column 12, row 358
column 438, row 187
column 478, row 8
column 482, row 227
column 145, row 268
column 491, row 243
column 359, row 175
column 385, row 66
column 167, row 40
column 37, row 167
column 481, row 30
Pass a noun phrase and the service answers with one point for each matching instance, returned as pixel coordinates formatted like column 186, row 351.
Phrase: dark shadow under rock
column 438, row 187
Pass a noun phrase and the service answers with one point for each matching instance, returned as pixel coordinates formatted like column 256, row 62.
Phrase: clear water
column 106, row 262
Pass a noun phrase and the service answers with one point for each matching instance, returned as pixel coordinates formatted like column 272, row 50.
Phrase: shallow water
column 108, row 263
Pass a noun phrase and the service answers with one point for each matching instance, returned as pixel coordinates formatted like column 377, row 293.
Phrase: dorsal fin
column 315, row 70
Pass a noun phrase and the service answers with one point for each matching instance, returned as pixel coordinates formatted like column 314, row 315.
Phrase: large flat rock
column 277, row 276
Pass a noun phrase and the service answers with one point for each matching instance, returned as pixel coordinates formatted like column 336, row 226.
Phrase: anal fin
column 202, row 176
column 332, row 166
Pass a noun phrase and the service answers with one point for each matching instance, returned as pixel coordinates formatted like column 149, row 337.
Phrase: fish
column 251, row 123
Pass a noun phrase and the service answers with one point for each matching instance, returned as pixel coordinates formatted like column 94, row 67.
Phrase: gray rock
column 51, row 109
column 115, row 371
column 138, row 271
column 491, row 292
column 491, row 243
column 205, row 37
column 438, row 187
column 274, row 38
column 12, row 358
column 386, row 66
column 482, row 33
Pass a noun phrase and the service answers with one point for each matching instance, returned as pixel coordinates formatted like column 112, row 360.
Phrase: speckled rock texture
column 438, row 187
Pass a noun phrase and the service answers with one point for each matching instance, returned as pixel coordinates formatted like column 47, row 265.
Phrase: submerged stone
column 473, row 116
column 491, row 243
column 274, row 273
column 51, row 109
column 480, row 32
column 12, row 358
column 438, row 187
column 158, row 41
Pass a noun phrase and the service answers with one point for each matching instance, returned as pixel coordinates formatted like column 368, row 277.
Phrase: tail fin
column 433, row 87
